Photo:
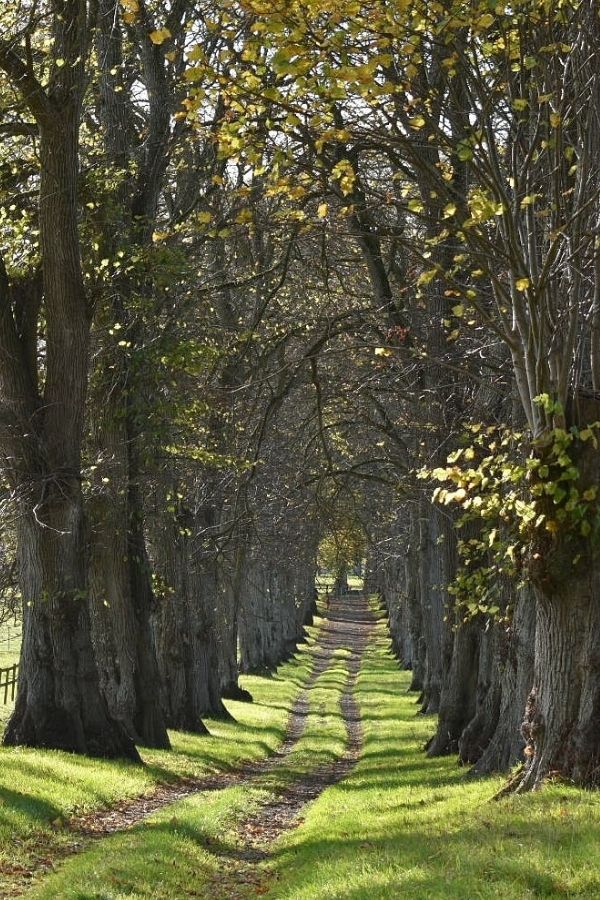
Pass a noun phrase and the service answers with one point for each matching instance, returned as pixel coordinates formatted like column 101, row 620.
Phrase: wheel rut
column 348, row 625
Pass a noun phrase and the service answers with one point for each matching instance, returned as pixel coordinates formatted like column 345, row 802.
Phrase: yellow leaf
column 529, row 199
column 485, row 21
column 204, row 217
column 244, row 217
column 522, row 284
column 427, row 277
column 159, row 36
column 322, row 210
column 555, row 119
column 458, row 310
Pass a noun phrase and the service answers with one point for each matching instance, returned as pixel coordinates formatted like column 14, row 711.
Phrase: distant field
column 10, row 646
column 10, row 643
column 355, row 582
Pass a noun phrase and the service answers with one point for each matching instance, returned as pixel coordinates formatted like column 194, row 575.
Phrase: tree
column 59, row 703
column 493, row 145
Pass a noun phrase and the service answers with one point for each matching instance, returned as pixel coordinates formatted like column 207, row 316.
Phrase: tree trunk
column 231, row 579
column 562, row 724
column 270, row 619
column 457, row 703
column 59, row 704
column 121, row 592
column 187, row 632
column 392, row 589
column 479, row 731
column 415, row 613
column 512, row 661
column 183, row 700
column 431, row 581
column 253, row 620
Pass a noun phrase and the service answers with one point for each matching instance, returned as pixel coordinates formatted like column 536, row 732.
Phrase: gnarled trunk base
column 562, row 716
column 59, row 703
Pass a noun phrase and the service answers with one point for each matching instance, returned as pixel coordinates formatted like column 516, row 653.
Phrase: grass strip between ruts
column 188, row 849
column 404, row 826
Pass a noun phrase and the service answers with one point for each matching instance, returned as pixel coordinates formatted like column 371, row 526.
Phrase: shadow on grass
column 16, row 804
column 510, row 880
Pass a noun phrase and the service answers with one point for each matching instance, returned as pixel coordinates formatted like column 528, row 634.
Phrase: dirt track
column 348, row 625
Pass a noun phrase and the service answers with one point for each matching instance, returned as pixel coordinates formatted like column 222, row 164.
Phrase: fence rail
column 8, row 682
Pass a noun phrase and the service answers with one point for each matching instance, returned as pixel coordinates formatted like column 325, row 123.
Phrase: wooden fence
column 8, row 683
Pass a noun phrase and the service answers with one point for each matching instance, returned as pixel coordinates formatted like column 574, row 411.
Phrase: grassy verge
column 189, row 848
column 39, row 790
column 405, row 826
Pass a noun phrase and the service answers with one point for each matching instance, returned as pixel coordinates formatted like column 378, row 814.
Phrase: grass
column 399, row 826
column 189, row 848
column 10, row 646
column 405, row 826
column 39, row 790
column 323, row 582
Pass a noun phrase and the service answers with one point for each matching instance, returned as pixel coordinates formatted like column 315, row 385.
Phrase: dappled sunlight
column 397, row 824
column 405, row 825
column 41, row 787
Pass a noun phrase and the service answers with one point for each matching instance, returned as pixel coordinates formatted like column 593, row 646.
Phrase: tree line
column 273, row 271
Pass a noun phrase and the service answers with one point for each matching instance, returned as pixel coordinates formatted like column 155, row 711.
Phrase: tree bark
column 415, row 610
column 457, row 702
column 512, row 670
column 275, row 601
column 59, row 703
column 480, row 729
column 121, row 626
column 561, row 726
column 231, row 580
column 186, row 630
column 432, row 576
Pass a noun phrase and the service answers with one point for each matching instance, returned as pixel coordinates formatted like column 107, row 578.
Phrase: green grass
column 10, row 643
column 39, row 790
column 10, row 646
column 399, row 826
column 188, row 849
column 405, row 826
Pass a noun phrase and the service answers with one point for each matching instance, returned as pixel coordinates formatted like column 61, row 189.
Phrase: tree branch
column 26, row 83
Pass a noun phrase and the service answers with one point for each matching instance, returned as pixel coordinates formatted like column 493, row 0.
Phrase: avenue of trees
column 288, row 283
